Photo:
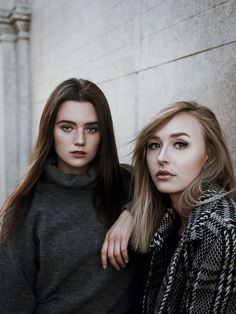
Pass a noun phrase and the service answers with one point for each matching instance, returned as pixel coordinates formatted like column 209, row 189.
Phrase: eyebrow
column 179, row 134
column 172, row 135
column 74, row 123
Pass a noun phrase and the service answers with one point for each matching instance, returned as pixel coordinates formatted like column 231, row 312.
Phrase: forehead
column 182, row 122
column 77, row 110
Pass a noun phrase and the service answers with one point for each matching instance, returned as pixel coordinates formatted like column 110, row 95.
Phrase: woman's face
column 76, row 136
column 176, row 154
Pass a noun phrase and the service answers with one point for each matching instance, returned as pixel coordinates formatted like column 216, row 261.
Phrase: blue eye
column 92, row 129
column 181, row 145
column 154, row 146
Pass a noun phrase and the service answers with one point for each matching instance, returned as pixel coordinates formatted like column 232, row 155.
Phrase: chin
column 166, row 189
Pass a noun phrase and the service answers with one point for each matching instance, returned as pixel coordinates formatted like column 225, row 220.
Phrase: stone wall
column 144, row 54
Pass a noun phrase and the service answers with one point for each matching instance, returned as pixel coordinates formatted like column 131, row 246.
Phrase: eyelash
column 177, row 145
column 92, row 129
column 68, row 128
column 181, row 145
column 153, row 146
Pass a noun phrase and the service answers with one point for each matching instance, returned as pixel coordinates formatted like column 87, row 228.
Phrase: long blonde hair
column 149, row 204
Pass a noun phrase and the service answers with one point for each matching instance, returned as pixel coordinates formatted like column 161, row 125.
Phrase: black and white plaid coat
column 201, row 276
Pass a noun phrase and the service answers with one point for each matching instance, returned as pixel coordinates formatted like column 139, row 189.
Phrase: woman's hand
column 115, row 246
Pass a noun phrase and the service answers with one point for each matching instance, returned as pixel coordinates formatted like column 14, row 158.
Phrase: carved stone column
column 14, row 96
column 8, row 108
column 20, row 19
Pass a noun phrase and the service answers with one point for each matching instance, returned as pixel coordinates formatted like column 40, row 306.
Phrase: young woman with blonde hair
column 55, row 221
column 183, row 212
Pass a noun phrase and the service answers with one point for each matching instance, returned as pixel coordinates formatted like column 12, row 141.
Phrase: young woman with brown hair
column 53, row 224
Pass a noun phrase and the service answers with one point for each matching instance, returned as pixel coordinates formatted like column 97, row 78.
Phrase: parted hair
column 109, row 187
column 149, row 204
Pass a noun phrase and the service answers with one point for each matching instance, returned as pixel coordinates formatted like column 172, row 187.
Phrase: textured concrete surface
column 143, row 54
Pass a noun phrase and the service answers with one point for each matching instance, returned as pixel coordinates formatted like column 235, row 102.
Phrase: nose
column 79, row 138
column 163, row 156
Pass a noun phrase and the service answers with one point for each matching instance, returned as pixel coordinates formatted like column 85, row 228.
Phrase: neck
column 182, row 212
column 175, row 202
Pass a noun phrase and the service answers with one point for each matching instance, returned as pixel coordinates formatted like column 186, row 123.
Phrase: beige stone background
column 143, row 54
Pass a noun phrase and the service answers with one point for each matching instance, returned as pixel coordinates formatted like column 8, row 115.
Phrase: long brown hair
column 149, row 204
column 109, row 191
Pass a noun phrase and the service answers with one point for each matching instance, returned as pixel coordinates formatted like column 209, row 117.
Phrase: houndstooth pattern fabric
column 201, row 276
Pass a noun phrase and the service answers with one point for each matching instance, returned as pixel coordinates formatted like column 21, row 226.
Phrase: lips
column 164, row 175
column 78, row 154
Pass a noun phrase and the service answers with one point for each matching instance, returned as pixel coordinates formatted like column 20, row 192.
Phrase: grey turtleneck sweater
column 53, row 265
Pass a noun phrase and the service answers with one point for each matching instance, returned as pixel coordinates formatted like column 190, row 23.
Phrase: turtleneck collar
column 55, row 175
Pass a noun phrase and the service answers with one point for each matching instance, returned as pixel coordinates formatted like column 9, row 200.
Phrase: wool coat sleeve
column 18, row 273
column 214, row 287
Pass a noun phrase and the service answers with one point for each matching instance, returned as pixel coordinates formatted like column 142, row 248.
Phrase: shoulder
column 221, row 229
column 213, row 219
column 42, row 200
column 126, row 172
column 214, row 227
column 223, row 214
column 126, row 168
column 126, row 182
column 220, row 223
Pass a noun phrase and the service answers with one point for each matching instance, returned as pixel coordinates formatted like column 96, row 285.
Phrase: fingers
column 126, row 236
column 104, row 253
column 113, row 253
column 124, row 250
column 118, row 254
column 111, row 250
column 115, row 246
